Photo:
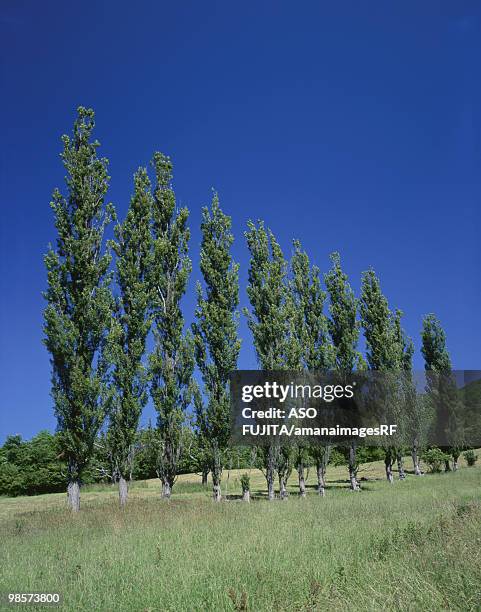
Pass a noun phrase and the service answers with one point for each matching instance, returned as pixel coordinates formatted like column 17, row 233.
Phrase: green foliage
column 342, row 324
column 31, row 467
column 336, row 457
column 415, row 416
column 441, row 387
column 364, row 454
column 435, row 458
column 215, row 333
column 471, row 457
column 310, row 332
column 344, row 331
column 385, row 342
column 12, row 480
column 145, row 462
column 436, row 356
column 367, row 454
column 309, row 321
column 245, row 481
column 269, row 320
column 172, row 360
column 79, row 301
column 470, row 396
column 390, row 352
column 131, row 324
column 273, row 331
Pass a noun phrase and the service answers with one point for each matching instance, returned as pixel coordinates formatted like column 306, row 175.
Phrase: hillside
column 412, row 545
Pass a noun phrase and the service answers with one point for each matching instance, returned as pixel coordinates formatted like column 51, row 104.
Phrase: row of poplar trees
column 101, row 315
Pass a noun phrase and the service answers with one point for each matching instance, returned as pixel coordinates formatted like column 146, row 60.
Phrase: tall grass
column 415, row 545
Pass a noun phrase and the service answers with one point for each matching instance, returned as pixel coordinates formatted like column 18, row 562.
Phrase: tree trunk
column 321, row 481
column 447, row 467
column 354, row 485
column 246, row 495
column 270, row 488
column 415, row 456
column 166, row 489
column 114, row 477
column 270, row 465
column 216, row 473
column 282, row 488
column 73, row 495
column 388, row 464
column 123, row 491
column 216, row 493
column 205, row 474
column 455, row 464
column 302, row 480
column 400, row 466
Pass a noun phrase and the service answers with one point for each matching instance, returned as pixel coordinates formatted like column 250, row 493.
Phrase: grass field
column 414, row 545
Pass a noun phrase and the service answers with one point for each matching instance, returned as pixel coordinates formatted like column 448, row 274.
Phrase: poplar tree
column 440, row 385
column 130, row 328
column 215, row 335
column 269, row 320
column 409, row 400
column 266, row 290
column 434, row 351
column 79, row 300
column 384, row 345
column 310, row 330
column 344, row 332
column 172, row 361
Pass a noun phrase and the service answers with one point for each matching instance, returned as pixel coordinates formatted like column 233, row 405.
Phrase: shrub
column 337, row 458
column 435, row 459
column 470, row 457
column 31, row 467
column 12, row 481
column 245, row 482
column 366, row 454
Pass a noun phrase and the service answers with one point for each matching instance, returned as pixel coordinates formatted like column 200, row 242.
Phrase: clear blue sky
column 353, row 126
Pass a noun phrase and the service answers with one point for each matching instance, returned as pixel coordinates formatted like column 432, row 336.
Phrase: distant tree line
column 36, row 466
column 107, row 298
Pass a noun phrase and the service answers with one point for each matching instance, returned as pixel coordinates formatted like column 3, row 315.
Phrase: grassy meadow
column 414, row 545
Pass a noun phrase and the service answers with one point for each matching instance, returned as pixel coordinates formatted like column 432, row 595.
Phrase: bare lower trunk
column 73, row 495
column 400, row 466
column 354, row 485
column 455, row 464
column 282, row 488
column 270, row 488
column 447, row 467
column 415, row 457
column 123, row 491
column 168, row 462
column 246, row 495
column 216, row 493
column 205, row 474
column 216, row 473
column 321, row 479
column 302, row 480
column 270, row 466
column 389, row 476
column 166, row 489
